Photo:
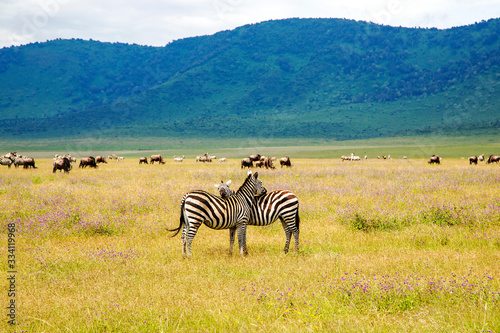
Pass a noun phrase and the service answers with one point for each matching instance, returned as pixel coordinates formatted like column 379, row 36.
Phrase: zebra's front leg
column 232, row 231
column 242, row 239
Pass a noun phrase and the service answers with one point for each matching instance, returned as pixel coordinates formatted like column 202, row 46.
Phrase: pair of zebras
column 249, row 205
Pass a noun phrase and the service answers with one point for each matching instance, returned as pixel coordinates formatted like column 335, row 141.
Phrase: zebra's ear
column 217, row 185
column 249, row 172
column 255, row 175
column 228, row 182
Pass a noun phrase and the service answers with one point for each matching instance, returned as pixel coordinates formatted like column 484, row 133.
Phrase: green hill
column 309, row 78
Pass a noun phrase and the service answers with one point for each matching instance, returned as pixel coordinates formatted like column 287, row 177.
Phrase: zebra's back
column 207, row 208
column 273, row 205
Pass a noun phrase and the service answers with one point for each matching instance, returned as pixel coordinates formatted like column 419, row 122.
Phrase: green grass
column 385, row 246
column 454, row 147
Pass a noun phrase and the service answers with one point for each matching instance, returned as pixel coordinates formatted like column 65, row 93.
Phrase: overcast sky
column 149, row 22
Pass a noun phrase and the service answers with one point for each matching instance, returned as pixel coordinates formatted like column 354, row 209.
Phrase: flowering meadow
column 385, row 246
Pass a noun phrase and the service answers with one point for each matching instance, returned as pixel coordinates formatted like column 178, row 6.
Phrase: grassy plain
column 386, row 246
column 416, row 147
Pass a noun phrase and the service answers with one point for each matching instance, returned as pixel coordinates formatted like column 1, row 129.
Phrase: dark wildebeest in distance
column 259, row 164
column 268, row 163
column 19, row 161
column 156, row 158
column 493, row 159
column 434, row 159
column 88, row 161
column 29, row 162
column 255, row 157
column 6, row 161
column 61, row 163
column 473, row 160
column 285, row 161
column 100, row 159
column 246, row 163
column 204, row 158
column 143, row 160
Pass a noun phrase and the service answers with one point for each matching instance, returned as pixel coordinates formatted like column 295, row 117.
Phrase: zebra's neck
column 246, row 190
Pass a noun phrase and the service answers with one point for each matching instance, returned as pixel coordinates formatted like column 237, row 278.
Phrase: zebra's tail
column 181, row 220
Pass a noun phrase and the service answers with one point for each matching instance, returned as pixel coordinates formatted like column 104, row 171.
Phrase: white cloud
column 151, row 22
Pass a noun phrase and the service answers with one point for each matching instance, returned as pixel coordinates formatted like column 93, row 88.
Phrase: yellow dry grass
column 398, row 246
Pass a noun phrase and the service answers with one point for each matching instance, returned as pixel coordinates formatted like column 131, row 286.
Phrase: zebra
column 269, row 207
column 200, row 207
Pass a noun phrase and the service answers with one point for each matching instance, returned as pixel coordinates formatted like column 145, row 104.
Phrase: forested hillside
column 325, row 78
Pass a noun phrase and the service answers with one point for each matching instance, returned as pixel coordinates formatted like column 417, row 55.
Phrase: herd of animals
column 65, row 162
column 250, row 205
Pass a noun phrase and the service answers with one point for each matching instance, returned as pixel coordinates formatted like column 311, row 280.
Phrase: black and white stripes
column 268, row 208
column 200, row 207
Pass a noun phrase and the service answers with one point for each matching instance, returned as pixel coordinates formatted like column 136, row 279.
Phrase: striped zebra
column 200, row 207
column 268, row 208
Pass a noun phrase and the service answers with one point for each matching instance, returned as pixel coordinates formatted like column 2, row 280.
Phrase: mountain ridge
column 327, row 78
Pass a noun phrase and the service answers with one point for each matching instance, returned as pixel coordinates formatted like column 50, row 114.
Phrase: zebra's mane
column 244, row 183
column 264, row 192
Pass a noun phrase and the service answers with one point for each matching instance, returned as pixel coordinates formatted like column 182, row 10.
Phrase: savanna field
column 385, row 246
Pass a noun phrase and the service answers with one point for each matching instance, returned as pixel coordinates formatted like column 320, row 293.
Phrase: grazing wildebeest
column 10, row 156
column 100, row 159
column 259, row 164
column 87, row 161
column 71, row 159
column 156, row 158
column 61, row 163
column 222, row 160
column 434, row 159
column 493, row 159
column 480, row 158
column 143, row 160
column 18, row 161
column 246, row 163
column 6, row 161
column 285, row 161
column 473, row 160
column 255, row 157
column 178, row 159
column 204, row 158
column 29, row 162
column 268, row 163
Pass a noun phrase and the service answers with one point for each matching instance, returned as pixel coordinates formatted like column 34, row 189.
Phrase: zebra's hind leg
column 296, row 237
column 288, row 234
column 191, row 232
column 232, row 231
column 184, row 243
column 242, row 239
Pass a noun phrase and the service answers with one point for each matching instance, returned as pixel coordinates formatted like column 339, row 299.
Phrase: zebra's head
column 259, row 188
column 224, row 190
